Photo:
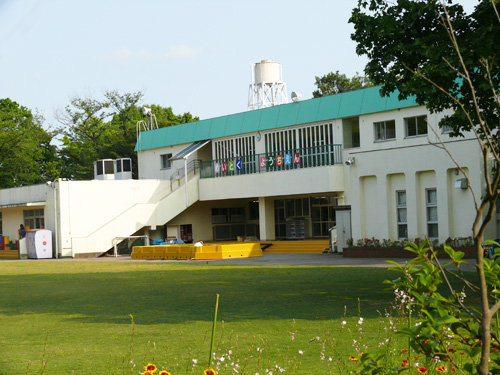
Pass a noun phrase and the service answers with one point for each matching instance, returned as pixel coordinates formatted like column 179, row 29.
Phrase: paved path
column 327, row 260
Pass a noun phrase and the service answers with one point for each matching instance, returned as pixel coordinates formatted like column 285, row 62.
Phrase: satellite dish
column 296, row 97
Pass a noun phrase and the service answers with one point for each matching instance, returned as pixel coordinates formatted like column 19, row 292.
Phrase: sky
column 192, row 55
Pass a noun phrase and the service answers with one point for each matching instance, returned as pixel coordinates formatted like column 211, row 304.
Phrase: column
column 266, row 219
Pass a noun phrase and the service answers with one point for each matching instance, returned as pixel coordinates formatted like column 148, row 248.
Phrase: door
column 343, row 229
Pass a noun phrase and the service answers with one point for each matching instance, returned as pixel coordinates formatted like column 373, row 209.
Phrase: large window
column 286, row 210
column 432, row 213
column 401, row 212
column 323, row 215
column 350, row 127
column 416, row 126
column 385, row 130
column 165, row 163
column 34, row 219
column 228, row 215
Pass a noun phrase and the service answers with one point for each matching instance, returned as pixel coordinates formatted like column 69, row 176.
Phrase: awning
column 189, row 150
column 26, row 204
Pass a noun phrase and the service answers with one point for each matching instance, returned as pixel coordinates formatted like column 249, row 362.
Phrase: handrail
column 296, row 158
column 192, row 166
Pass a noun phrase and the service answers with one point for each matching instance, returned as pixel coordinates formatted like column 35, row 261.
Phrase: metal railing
column 178, row 175
column 308, row 157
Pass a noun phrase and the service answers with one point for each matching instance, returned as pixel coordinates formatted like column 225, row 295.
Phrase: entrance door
column 343, row 229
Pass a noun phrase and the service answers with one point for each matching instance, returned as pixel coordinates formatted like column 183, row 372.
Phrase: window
column 385, row 130
column 446, row 129
column 351, row 132
column 401, row 212
column 1, row 224
column 432, row 214
column 323, row 215
column 165, row 163
column 416, row 126
column 34, row 219
column 228, row 215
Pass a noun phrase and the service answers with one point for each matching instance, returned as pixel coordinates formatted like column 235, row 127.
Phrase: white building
column 293, row 171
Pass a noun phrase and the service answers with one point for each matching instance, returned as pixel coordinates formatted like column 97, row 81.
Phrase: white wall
column 378, row 173
column 298, row 181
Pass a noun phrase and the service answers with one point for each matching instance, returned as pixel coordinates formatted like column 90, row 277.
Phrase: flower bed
column 394, row 252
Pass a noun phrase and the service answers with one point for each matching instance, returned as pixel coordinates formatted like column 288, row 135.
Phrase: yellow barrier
column 9, row 254
column 206, row 252
column 227, row 251
column 148, row 252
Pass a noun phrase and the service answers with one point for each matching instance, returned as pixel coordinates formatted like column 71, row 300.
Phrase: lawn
column 80, row 312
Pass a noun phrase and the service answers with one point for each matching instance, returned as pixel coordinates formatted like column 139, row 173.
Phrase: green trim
column 349, row 104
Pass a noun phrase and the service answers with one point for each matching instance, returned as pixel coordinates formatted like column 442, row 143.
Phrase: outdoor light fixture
column 350, row 161
column 296, row 96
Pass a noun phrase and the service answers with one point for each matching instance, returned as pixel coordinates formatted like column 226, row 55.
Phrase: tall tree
column 446, row 59
column 26, row 154
column 408, row 46
column 106, row 130
column 336, row 83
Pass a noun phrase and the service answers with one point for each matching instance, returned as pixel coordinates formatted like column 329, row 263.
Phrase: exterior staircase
column 306, row 246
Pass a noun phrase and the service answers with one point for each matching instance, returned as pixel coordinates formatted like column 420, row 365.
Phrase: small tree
column 446, row 59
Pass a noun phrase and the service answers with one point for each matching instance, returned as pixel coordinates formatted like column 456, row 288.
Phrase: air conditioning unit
column 104, row 169
column 123, row 169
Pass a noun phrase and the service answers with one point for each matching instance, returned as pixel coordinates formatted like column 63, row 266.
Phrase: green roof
column 349, row 104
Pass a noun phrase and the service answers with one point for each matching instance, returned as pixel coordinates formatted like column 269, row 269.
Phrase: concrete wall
column 150, row 160
column 299, row 181
column 414, row 165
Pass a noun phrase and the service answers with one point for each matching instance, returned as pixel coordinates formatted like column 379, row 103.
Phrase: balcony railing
column 309, row 157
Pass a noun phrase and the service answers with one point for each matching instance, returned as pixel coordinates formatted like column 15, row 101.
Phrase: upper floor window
column 350, row 127
column 416, row 126
column 446, row 129
column 165, row 163
column 385, row 130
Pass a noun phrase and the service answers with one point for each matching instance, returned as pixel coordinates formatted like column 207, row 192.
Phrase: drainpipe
column 52, row 186
column 186, row 179
column 56, row 221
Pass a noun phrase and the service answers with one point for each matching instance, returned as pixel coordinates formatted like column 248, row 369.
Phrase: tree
column 26, row 154
column 446, row 59
column 336, row 83
column 409, row 47
column 106, row 129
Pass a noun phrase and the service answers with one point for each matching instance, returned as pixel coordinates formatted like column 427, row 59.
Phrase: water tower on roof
column 267, row 88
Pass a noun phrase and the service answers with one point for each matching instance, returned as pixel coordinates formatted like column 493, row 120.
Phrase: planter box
column 394, row 252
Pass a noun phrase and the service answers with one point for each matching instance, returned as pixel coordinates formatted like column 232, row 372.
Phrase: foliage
column 106, row 129
column 449, row 331
column 409, row 48
column 336, row 83
column 448, row 60
column 26, row 154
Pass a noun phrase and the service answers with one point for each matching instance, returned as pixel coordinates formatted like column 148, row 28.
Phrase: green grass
column 85, row 309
